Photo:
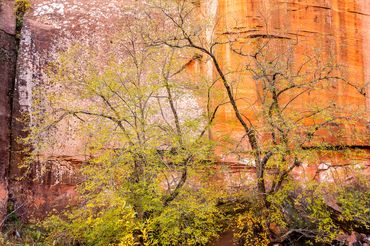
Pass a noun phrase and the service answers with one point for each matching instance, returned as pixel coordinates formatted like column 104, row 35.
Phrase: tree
column 280, row 136
column 145, row 181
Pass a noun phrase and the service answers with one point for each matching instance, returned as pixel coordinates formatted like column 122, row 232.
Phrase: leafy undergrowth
column 297, row 216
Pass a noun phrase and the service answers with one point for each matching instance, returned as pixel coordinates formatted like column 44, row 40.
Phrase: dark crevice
column 11, row 105
column 319, row 7
column 7, row 33
column 358, row 13
column 11, row 53
column 337, row 147
column 268, row 36
column 8, row 60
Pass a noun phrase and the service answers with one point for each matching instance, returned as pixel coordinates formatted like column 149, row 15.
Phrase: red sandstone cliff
column 7, row 75
column 50, row 26
column 339, row 27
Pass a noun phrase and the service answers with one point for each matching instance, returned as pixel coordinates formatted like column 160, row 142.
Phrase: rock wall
column 7, row 73
column 339, row 27
column 52, row 25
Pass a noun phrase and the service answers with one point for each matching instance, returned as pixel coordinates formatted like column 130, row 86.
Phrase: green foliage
column 93, row 224
column 147, row 178
column 107, row 219
column 252, row 229
column 21, row 234
column 317, row 212
column 190, row 221
column 21, row 7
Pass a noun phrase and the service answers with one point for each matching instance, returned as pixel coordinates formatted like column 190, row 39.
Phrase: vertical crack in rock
column 210, row 9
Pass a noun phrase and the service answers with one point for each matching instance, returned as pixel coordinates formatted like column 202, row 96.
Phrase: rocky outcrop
column 7, row 74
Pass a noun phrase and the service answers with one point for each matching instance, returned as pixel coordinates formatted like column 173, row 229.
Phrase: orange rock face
column 339, row 27
column 336, row 29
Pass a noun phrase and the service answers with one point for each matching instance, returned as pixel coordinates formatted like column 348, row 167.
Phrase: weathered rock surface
column 339, row 27
column 52, row 25
column 7, row 73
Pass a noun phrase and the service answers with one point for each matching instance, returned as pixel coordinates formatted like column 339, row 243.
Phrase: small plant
column 21, row 7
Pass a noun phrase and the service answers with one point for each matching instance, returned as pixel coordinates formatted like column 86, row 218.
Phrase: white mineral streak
column 63, row 170
column 25, row 70
column 250, row 162
column 60, row 170
column 325, row 173
column 67, row 22
column 64, row 14
column 52, row 8
column 324, row 166
column 61, row 15
column 188, row 107
column 210, row 12
column 326, row 176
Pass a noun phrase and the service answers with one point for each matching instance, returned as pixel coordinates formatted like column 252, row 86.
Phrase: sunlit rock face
column 337, row 27
column 341, row 27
